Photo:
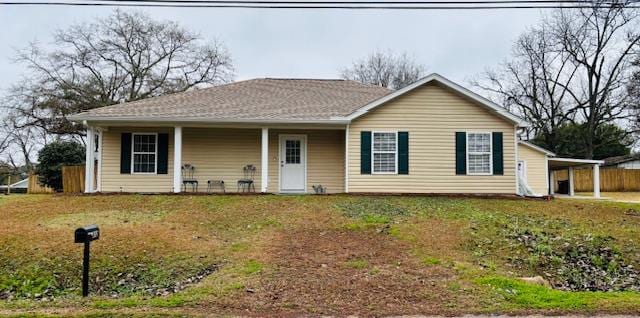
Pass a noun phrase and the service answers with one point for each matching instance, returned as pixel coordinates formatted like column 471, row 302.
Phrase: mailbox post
column 86, row 235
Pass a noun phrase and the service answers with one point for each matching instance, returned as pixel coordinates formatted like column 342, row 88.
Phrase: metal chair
column 246, row 183
column 188, row 171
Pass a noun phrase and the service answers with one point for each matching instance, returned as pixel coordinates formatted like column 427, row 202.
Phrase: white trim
column 89, row 160
column 515, row 150
column 498, row 110
column 177, row 159
column 346, row 160
column 373, row 137
column 133, row 152
column 547, row 180
column 537, row 148
column 490, row 153
column 585, row 161
column 264, row 166
column 100, row 140
column 180, row 120
column 304, row 141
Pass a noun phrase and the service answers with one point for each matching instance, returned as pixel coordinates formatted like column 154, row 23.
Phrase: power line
column 369, row 5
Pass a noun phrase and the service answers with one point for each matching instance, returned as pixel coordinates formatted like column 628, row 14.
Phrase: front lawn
column 319, row 255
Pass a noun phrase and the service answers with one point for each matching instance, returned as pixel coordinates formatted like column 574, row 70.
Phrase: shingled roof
column 267, row 99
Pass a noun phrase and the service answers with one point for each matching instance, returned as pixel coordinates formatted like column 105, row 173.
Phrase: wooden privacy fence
column 611, row 179
column 73, row 179
column 34, row 186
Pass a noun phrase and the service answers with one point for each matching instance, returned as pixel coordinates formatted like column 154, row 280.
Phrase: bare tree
column 599, row 41
column 574, row 67
column 385, row 69
column 124, row 57
column 533, row 84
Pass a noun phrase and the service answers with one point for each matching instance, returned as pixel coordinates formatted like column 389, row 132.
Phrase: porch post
column 596, row 181
column 98, row 160
column 177, row 159
column 346, row 159
column 89, row 160
column 571, row 189
column 552, row 185
column 264, row 166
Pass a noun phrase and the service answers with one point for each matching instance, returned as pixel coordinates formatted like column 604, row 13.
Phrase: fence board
column 611, row 179
column 73, row 179
column 35, row 187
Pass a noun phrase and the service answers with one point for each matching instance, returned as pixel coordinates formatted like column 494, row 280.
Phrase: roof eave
column 191, row 120
column 538, row 148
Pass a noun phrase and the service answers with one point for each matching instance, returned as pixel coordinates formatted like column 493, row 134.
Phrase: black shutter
column 403, row 152
column 365, row 152
column 163, row 153
column 498, row 157
column 125, row 153
column 461, row 153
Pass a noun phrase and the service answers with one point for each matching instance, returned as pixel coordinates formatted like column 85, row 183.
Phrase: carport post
column 596, row 181
column 552, row 185
column 571, row 189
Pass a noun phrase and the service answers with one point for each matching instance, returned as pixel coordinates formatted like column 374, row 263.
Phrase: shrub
column 55, row 155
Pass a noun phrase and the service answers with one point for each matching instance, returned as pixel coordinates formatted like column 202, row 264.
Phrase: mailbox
column 87, row 234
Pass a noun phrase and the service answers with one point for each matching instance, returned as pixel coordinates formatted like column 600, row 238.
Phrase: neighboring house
column 623, row 162
column 18, row 187
column 433, row 136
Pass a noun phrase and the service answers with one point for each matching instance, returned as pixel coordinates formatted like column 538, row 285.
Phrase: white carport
column 570, row 164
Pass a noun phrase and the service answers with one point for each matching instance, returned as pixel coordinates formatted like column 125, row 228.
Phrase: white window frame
column 373, row 138
column 133, row 153
column 469, row 153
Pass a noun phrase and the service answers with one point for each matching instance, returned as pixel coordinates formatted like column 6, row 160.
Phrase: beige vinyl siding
column 325, row 158
column 432, row 114
column 221, row 153
column 113, row 181
column 536, row 163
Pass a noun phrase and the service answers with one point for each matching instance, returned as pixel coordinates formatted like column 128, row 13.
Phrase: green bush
column 55, row 155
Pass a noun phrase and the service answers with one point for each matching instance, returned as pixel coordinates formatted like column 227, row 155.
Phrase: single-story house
column 623, row 162
column 433, row 136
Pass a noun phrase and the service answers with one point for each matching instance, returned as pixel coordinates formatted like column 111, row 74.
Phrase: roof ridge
column 303, row 79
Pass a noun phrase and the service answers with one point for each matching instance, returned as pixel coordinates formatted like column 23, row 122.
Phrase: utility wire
column 423, row 5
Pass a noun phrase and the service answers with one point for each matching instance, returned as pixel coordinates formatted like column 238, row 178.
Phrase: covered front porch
column 286, row 159
column 570, row 164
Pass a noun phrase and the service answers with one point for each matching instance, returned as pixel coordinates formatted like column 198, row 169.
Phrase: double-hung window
column 144, row 156
column 385, row 152
column 479, row 161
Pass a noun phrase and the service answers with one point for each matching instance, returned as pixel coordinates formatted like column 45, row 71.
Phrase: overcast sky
column 307, row 44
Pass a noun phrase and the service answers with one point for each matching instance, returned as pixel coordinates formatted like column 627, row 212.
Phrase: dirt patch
column 339, row 272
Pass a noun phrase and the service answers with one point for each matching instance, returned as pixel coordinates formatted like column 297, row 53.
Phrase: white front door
column 293, row 166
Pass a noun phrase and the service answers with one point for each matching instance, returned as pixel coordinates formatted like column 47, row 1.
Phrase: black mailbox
column 87, row 234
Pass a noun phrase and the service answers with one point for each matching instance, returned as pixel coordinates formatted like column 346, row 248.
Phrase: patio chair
column 188, row 171
column 246, row 183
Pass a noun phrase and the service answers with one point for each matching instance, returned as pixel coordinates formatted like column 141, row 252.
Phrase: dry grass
column 292, row 255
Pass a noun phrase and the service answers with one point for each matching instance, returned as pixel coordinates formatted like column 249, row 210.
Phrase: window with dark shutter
column 498, row 157
column 125, row 153
column 403, row 152
column 461, row 153
column 365, row 152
